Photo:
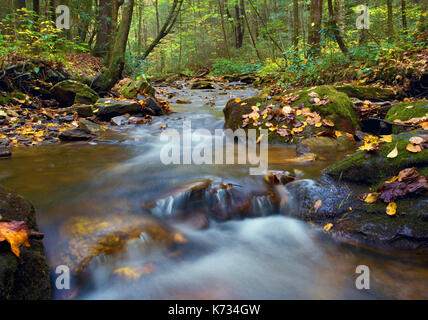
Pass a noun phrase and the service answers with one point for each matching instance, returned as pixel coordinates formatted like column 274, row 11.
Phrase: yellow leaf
column 393, row 153
column 387, row 138
column 327, row 227
column 371, row 197
column 413, row 148
column 238, row 100
column 16, row 233
column 328, row 123
column 317, row 205
column 391, row 209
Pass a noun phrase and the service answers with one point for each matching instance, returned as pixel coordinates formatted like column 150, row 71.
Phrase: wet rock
column 138, row 120
column 71, row 92
column 183, row 101
column 151, row 106
column 325, row 145
column 131, row 89
column 86, row 238
column 106, row 109
column 202, row 85
column 354, row 220
column 368, row 92
column 76, row 134
column 27, row 278
column 234, row 110
column 90, row 127
column 5, row 153
column 82, row 110
column 119, row 120
column 372, row 167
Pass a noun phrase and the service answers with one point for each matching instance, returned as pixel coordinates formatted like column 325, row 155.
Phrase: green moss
column 372, row 167
column 340, row 110
column 367, row 92
column 140, row 86
column 401, row 112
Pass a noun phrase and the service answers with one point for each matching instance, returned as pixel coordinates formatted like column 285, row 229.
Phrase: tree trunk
column 239, row 31
column 314, row 36
column 253, row 41
column 422, row 25
column 340, row 16
column 336, row 32
column 390, row 18
column 223, row 27
column 404, row 15
column 295, row 23
column 103, row 33
column 166, row 28
column 114, row 72
column 19, row 4
column 36, row 6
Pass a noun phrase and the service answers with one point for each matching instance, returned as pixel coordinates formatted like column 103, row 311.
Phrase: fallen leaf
column 328, row 123
column 387, row 138
column 416, row 140
column 317, row 205
column 371, row 197
column 16, row 233
column 327, row 227
column 391, row 209
column 393, row 153
column 413, row 148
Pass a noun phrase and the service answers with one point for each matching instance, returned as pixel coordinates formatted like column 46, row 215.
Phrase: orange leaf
column 16, row 233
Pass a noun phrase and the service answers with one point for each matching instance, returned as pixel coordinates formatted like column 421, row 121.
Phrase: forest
column 271, row 149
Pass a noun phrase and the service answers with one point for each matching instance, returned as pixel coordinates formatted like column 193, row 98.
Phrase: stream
column 269, row 256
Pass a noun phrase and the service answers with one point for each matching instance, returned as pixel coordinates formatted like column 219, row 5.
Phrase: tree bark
column 314, row 36
column 295, row 23
column 114, row 72
column 239, row 30
column 223, row 27
column 404, row 15
column 337, row 36
column 390, row 17
column 340, row 16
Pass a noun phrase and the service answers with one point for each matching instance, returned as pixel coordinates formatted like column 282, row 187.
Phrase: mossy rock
column 325, row 145
column 402, row 111
column 71, row 92
column 27, row 278
column 356, row 221
column 372, row 167
column 340, row 110
column 134, row 88
column 368, row 92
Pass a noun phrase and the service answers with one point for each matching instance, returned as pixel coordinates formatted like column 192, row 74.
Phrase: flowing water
column 269, row 256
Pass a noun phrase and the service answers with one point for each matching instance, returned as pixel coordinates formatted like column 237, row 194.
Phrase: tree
column 166, row 28
column 336, row 33
column 295, row 23
column 404, row 15
column 223, row 27
column 314, row 36
column 390, row 18
column 105, row 15
column 114, row 71
column 340, row 16
column 36, row 6
column 253, row 40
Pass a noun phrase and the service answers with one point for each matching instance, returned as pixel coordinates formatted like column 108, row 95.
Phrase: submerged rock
column 27, row 278
column 5, row 153
column 202, row 85
column 71, row 92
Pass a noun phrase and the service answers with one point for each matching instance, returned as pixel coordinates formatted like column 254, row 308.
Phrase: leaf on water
column 259, row 138
column 16, row 233
column 327, row 227
column 393, row 153
column 391, row 209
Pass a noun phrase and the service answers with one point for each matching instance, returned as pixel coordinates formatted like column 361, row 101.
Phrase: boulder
column 151, row 106
column 71, row 92
column 27, row 278
column 119, row 120
column 406, row 111
column 354, row 220
column 368, row 92
column 108, row 108
column 325, row 145
column 373, row 167
column 83, row 110
column 90, row 126
column 131, row 89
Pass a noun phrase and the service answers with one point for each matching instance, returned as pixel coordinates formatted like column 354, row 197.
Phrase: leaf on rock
column 16, row 233
column 327, row 227
column 371, row 197
column 393, row 153
column 391, row 209
column 317, row 205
